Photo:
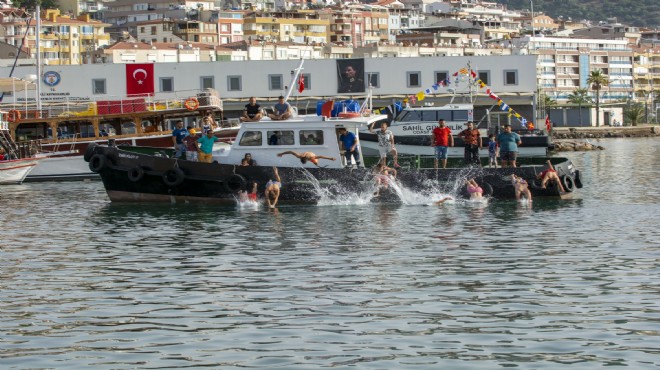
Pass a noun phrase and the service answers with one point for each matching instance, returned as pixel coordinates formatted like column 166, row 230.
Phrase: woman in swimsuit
column 272, row 192
column 475, row 191
column 306, row 156
column 521, row 187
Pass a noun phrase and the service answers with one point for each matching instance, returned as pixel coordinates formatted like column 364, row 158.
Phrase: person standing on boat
column 508, row 142
column 441, row 140
column 472, row 142
column 192, row 148
column 350, row 143
column 206, row 147
column 252, row 111
column 178, row 134
column 282, row 110
column 386, row 144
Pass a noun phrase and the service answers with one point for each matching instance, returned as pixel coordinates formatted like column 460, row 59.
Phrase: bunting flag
column 504, row 107
column 473, row 73
column 463, row 71
column 420, row 96
column 427, row 91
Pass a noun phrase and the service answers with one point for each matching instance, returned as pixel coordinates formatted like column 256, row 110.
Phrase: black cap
column 506, row 124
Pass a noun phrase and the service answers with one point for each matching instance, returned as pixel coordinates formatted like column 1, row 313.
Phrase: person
column 245, row 196
column 508, row 142
column 493, row 150
column 206, row 125
column 274, row 138
column 3, row 154
column 550, row 175
column 444, row 199
column 311, row 140
column 386, row 144
column 384, row 176
column 472, row 142
column 521, row 187
column 350, row 143
column 103, row 132
column 350, row 81
column 178, row 134
column 306, row 156
column 282, row 110
column 244, row 163
column 252, row 111
column 272, row 192
column 250, row 161
column 441, row 140
column 191, row 145
column 206, row 147
column 475, row 191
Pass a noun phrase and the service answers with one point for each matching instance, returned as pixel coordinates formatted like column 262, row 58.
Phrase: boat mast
column 38, row 41
column 296, row 73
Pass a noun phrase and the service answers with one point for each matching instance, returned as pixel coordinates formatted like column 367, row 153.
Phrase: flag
column 455, row 74
column 139, row 79
column 427, row 91
column 301, row 83
column 504, row 107
column 488, row 91
column 548, row 124
column 463, row 71
column 473, row 74
column 420, row 96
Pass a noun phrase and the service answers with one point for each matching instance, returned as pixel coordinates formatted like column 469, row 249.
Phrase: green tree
column 597, row 80
column 634, row 113
column 31, row 4
column 580, row 96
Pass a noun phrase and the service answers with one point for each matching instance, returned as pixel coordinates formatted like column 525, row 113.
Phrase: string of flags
column 461, row 75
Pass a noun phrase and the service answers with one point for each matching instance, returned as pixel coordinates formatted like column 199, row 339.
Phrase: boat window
column 446, row 115
column 128, row 128
column 410, row 116
column 311, row 137
column 280, row 137
column 460, row 115
column 250, row 138
column 429, row 115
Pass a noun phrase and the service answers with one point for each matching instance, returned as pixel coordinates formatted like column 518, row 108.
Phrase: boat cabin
column 308, row 133
column 422, row 120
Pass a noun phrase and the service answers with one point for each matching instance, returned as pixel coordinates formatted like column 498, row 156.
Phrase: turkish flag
column 301, row 83
column 548, row 124
column 139, row 79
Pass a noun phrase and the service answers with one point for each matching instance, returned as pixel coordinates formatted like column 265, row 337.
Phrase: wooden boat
column 15, row 162
column 130, row 176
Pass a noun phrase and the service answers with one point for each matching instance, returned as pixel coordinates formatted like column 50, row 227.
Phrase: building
column 647, row 78
column 156, row 31
column 305, row 27
column 78, row 7
column 160, row 52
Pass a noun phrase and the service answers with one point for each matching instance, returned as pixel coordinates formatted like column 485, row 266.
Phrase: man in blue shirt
column 350, row 143
column 206, row 147
column 178, row 134
column 508, row 142
column 282, row 110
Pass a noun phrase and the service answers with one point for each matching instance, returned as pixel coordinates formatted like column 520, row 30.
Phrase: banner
column 350, row 75
column 139, row 79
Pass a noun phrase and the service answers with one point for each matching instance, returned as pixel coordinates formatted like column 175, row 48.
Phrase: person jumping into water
column 307, row 156
column 272, row 192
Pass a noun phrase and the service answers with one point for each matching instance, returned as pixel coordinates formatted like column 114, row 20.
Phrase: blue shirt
column 207, row 143
column 508, row 141
column 281, row 108
column 492, row 147
column 179, row 134
column 348, row 140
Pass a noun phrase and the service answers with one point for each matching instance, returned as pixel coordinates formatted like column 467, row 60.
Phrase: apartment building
column 647, row 76
column 305, row 27
column 78, row 7
column 161, row 52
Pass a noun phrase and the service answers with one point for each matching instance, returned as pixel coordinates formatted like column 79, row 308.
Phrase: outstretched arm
column 296, row 154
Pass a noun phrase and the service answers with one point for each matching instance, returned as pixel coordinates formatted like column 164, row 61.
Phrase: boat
column 62, row 132
column 413, row 127
column 129, row 175
column 16, row 162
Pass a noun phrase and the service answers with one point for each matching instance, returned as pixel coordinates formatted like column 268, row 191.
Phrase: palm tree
column 580, row 96
column 597, row 80
column 634, row 113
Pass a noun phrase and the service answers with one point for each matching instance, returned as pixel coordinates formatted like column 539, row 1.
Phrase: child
column 493, row 150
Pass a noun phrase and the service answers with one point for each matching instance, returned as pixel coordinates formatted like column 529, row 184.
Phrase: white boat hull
column 15, row 171
column 370, row 148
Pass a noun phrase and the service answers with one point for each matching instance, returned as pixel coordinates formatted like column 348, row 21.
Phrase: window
column 414, row 79
column 250, row 138
column 207, row 82
column 98, row 86
column 275, row 82
column 234, row 83
column 374, row 79
column 308, row 81
column 166, row 84
column 153, row 30
column 485, row 77
column 280, row 137
column 441, row 76
column 511, row 77
column 311, row 137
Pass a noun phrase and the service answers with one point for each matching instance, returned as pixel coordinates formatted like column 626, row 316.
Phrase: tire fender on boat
column 487, row 188
column 578, row 179
column 568, row 182
column 89, row 152
column 135, row 174
column 97, row 163
column 173, row 177
column 235, row 183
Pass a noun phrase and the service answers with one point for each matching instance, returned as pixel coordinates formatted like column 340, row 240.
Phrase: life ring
column 348, row 115
column 568, row 182
column 13, row 115
column 578, row 179
column 97, row 163
column 173, row 177
column 191, row 104
column 235, row 183
column 135, row 174
column 89, row 152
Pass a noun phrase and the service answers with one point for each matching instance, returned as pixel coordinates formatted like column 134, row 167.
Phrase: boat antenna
column 296, row 73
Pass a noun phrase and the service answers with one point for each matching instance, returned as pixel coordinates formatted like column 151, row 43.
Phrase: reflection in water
column 86, row 283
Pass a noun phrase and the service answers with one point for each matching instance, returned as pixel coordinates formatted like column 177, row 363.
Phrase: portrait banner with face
column 350, row 75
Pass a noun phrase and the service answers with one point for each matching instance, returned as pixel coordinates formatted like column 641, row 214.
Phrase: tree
column 634, row 113
column 31, row 4
column 580, row 96
column 597, row 80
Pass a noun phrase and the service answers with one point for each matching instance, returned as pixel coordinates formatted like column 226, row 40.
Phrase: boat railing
column 107, row 105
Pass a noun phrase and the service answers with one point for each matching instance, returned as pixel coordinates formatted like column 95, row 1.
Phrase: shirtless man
column 550, row 175
column 272, row 192
column 307, row 156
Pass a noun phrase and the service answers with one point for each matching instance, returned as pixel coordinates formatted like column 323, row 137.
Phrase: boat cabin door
column 496, row 120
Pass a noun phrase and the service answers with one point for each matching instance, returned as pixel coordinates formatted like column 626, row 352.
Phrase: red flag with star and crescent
column 548, row 124
column 139, row 79
column 301, row 83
